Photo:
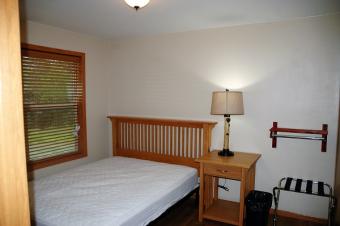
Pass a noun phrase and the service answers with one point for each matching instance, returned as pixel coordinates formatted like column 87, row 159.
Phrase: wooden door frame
column 14, row 204
column 337, row 170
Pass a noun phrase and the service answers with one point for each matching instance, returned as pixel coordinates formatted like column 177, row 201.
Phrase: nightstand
column 239, row 167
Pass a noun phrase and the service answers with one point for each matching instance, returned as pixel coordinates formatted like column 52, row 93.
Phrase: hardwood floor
column 185, row 213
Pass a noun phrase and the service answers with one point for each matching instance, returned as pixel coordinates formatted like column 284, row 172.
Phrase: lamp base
column 226, row 153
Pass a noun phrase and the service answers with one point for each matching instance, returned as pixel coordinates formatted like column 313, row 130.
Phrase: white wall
column 289, row 72
column 97, row 52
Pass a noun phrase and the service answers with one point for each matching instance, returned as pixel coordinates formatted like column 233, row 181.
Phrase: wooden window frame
column 82, row 145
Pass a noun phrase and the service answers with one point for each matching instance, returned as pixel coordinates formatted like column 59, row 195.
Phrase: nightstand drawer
column 223, row 171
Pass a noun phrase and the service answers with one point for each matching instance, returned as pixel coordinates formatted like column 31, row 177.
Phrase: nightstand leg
column 242, row 194
column 216, row 188
column 252, row 179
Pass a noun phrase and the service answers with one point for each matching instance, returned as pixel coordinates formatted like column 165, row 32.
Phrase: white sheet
column 114, row 191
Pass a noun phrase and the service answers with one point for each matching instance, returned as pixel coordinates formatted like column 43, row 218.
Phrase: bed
column 133, row 187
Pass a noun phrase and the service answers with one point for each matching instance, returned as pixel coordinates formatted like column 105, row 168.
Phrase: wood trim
column 82, row 104
column 67, row 55
column 282, row 213
column 54, row 56
column 43, row 49
column 163, row 142
column 14, row 204
column 337, row 170
column 164, row 121
column 323, row 131
column 206, row 139
column 115, row 137
column 55, row 160
column 158, row 158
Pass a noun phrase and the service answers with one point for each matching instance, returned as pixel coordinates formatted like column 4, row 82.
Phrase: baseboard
column 282, row 213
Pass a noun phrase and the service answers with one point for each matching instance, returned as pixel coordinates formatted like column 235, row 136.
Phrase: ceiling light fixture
column 137, row 4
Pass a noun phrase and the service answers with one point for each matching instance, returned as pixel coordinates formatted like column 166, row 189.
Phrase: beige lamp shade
column 227, row 103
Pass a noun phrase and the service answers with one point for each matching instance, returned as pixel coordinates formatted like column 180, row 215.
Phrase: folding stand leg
column 276, row 194
column 331, row 203
column 331, row 209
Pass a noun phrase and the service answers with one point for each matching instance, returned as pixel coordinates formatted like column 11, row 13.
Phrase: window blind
column 53, row 95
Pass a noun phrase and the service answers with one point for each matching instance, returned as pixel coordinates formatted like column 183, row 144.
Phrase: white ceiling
column 114, row 19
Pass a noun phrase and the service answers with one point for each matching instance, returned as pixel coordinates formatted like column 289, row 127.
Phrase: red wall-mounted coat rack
column 323, row 132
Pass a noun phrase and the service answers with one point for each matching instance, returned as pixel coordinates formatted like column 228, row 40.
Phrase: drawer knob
column 223, row 171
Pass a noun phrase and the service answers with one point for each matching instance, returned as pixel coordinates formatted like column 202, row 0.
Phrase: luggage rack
column 286, row 185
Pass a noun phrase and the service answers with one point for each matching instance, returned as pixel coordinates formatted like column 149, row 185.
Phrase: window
column 54, row 105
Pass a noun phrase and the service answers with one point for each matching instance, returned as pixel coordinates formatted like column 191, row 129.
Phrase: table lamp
column 227, row 103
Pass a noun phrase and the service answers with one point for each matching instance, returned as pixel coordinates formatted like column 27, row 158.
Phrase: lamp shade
column 227, row 103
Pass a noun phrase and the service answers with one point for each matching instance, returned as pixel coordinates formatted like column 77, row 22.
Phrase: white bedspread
column 113, row 191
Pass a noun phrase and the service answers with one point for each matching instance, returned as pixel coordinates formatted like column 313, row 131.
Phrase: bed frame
column 162, row 140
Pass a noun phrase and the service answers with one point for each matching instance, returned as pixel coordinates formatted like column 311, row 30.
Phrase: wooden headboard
column 162, row 140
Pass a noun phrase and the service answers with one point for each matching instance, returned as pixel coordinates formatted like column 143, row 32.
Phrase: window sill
column 55, row 160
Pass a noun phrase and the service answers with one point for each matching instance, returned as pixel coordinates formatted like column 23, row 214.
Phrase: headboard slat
column 163, row 140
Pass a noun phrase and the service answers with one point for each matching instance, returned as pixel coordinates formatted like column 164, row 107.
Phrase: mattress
column 113, row 191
